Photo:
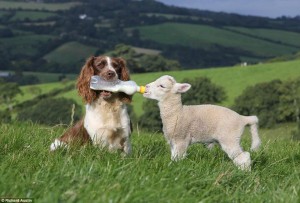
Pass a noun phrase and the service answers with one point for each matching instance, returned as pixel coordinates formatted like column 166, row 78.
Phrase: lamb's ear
column 181, row 87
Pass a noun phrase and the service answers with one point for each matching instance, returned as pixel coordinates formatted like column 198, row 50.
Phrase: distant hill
column 53, row 36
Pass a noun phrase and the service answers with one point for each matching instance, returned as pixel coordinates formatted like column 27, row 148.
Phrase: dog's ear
column 124, row 72
column 123, row 75
column 83, row 81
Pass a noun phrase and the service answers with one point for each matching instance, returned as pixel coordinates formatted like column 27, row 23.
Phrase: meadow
column 71, row 51
column 37, row 6
column 25, row 44
column 204, row 36
column 233, row 79
column 29, row 170
column 291, row 38
column 32, row 15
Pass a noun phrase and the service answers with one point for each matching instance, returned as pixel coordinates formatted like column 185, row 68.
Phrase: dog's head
column 106, row 67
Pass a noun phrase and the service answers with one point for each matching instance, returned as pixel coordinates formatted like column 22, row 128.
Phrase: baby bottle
column 128, row 87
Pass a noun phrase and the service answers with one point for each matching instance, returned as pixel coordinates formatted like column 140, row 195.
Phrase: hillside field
column 32, row 15
column 71, row 51
column 233, row 79
column 29, row 170
column 37, row 6
column 256, row 41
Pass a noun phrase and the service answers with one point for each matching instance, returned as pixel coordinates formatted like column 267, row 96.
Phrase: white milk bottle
column 128, row 87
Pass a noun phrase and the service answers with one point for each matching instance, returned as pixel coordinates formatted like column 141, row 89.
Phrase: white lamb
column 185, row 125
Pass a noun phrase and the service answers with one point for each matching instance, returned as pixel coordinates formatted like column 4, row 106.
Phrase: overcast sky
column 265, row 8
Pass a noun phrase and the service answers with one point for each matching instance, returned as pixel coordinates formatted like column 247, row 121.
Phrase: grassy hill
column 32, row 15
column 204, row 36
column 90, row 174
column 195, row 38
column 290, row 38
column 71, row 52
column 37, row 6
column 24, row 44
column 233, row 79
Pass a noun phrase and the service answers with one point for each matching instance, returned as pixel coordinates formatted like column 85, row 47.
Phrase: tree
column 273, row 102
column 150, row 119
column 128, row 53
column 289, row 108
column 157, row 63
column 8, row 92
column 289, row 101
column 5, row 116
column 203, row 91
column 139, row 63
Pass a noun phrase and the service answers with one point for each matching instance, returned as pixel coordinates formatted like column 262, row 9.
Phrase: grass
column 37, row 6
column 71, row 52
column 203, row 36
column 233, row 79
column 45, row 88
column 291, row 38
column 89, row 174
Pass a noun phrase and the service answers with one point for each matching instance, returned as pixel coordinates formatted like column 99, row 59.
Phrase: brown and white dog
column 106, row 122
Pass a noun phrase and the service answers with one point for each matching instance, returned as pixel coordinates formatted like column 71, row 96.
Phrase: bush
column 296, row 133
column 5, row 117
column 202, row 91
column 150, row 120
column 51, row 111
column 273, row 102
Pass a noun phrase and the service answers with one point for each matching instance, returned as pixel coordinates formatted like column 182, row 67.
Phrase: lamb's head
column 164, row 87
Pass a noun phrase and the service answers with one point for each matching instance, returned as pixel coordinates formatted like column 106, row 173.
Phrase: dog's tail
column 253, row 122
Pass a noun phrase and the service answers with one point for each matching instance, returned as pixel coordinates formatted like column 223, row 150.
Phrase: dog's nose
column 111, row 74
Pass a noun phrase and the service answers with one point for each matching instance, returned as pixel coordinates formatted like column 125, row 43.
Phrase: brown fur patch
column 76, row 134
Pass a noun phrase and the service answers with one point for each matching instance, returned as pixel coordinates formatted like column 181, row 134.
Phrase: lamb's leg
column 178, row 150
column 210, row 146
column 240, row 158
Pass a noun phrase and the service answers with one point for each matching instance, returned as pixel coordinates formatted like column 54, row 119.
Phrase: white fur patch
column 110, row 67
column 243, row 161
column 56, row 144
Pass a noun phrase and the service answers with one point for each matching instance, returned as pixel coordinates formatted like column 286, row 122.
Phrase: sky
column 264, row 8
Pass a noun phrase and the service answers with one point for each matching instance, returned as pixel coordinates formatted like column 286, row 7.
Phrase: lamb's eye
column 162, row 86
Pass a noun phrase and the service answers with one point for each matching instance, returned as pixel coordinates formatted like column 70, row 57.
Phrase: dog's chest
column 103, row 119
column 102, row 116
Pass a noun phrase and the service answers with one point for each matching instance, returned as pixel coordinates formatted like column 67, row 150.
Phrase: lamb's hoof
column 210, row 146
column 177, row 157
column 243, row 161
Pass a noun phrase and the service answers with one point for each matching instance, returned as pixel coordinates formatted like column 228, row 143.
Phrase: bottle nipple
column 142, row 89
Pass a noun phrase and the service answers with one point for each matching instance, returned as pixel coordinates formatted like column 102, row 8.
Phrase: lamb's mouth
column 146, row 93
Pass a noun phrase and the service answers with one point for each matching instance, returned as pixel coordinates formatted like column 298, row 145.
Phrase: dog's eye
column 115, row 65
column 101, row 65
